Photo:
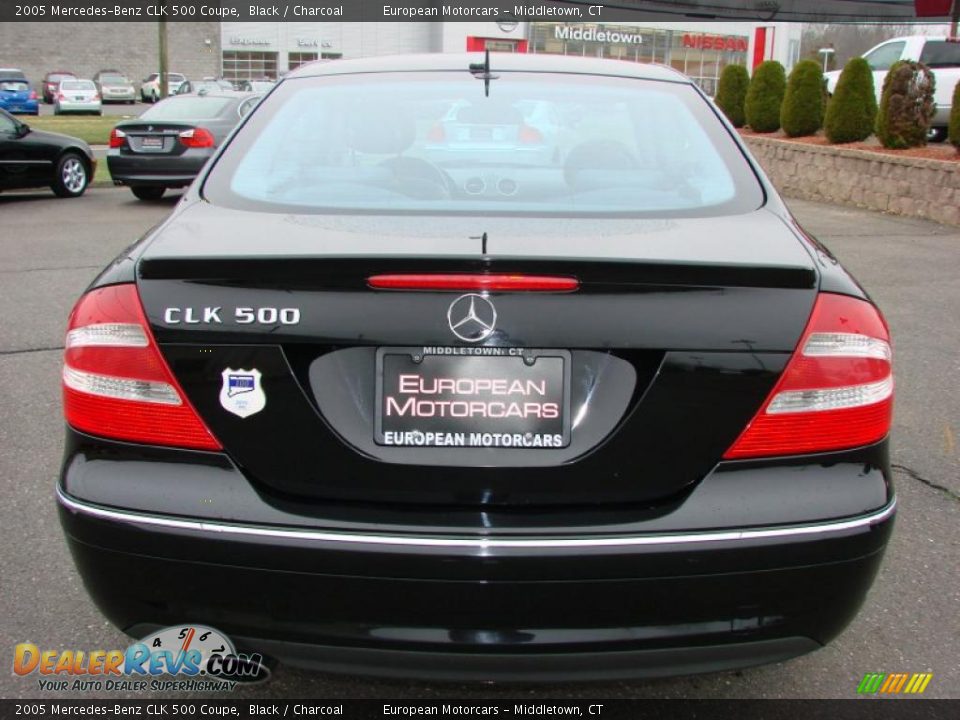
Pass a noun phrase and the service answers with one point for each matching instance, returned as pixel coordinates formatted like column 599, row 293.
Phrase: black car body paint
column 635, row 550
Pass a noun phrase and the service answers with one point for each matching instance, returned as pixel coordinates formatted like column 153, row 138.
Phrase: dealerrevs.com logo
column 180, row 658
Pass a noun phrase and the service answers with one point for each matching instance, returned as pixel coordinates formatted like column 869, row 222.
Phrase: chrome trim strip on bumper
column 222, row 528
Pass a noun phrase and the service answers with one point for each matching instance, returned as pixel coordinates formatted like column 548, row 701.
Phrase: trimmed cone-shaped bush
column 954, row 131
column 852, row 111
column 906, row 105
column 765, row 96
column 802, row 110
column 732, row 93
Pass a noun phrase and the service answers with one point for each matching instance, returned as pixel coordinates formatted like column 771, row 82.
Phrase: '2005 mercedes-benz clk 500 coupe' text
column 460, row 367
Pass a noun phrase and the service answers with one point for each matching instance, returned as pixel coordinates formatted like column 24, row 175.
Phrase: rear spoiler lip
column 351, row 273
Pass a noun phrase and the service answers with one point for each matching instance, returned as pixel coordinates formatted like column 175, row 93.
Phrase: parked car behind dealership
column 15, row 93
column 150, row 89
column 259, row 86
column 33, row 158
column 51, row 81
column 77, row 96
column 207, row 85
column 937, row 53
column 167, row 145
column 114, row 86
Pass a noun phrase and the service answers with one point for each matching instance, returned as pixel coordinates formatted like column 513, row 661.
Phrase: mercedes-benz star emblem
column 472, row 317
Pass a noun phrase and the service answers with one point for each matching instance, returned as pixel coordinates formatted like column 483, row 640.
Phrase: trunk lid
column 675, row 336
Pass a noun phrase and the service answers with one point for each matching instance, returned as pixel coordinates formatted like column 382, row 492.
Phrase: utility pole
column 162, row 44
column 955, row 20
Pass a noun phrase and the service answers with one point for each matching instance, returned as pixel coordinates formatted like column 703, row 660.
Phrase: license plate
column 152, row 142
column 473, row 397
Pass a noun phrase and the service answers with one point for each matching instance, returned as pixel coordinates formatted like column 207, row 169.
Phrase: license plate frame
column 151, row 143
column 535, row 369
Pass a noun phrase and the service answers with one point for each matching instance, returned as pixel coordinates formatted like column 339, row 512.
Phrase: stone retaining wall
column 914, row 187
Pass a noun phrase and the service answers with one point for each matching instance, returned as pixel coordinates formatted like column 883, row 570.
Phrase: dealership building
column 253, row 50
column 698, row 49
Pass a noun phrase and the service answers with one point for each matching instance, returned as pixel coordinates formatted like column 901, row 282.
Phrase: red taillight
column 117, row 138
column 462, row 281
column 116, row 383
column 33, row 94
column 837, row 390
column 530, row 136
column 197, row 138
column 437, row 134
column 96, row 96
column 61, row 96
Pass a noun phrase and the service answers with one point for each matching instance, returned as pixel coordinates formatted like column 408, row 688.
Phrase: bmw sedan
column 625, row 419
column 167, row 145
column 33, row 158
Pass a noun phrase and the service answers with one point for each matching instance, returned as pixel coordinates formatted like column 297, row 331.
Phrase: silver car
column 115, row 87
column 77, row 96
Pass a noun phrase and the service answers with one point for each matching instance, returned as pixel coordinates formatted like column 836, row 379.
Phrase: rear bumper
column 587, row 603
column 26, row 107
column 941, row 117
column 156, row 170
column 80, row 107
column 109, row 97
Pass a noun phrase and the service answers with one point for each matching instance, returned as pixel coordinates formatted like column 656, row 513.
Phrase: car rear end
column 169, row 144
column 626, row 421
column 78, row 96
column 51, row 83
column 117, row 89
column 17, row 97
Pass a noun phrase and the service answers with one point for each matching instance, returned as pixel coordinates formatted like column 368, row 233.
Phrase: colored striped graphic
column 894, row 683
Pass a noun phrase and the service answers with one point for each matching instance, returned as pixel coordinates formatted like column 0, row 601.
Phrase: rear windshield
column 433, row 142
column 77, row 85
column 57, row 77
column 120, row 79
column 187, row 108
column 940, row 54
column 13, row 85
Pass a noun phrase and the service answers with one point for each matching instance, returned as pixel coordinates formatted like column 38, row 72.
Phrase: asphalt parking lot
column 50, row 249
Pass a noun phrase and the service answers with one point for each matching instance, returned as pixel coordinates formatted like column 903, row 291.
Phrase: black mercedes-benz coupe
column 504, row 368
column 33, row 158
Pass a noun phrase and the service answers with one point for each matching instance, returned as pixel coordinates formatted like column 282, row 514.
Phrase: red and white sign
column 715, row 42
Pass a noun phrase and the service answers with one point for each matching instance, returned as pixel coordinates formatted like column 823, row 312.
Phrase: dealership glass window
column 296, row 59
column 244, row 65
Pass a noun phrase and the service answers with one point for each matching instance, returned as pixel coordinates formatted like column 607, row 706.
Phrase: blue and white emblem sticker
column 242, row 394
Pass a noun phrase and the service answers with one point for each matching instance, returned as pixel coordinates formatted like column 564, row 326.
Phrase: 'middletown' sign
column 593, row 34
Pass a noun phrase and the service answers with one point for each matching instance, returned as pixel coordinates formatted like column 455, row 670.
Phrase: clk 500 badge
column 242, row 393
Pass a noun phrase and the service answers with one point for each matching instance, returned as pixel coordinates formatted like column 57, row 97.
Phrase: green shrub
column 852, row 111
column 764, row 97
column 732, row 93
column 802, row 110
column 906, row 105
column 954, row 131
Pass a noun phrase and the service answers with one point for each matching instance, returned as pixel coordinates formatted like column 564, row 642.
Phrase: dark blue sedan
column 16, row 95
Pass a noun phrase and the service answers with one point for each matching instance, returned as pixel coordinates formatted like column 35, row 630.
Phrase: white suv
column 150, row 89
